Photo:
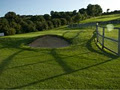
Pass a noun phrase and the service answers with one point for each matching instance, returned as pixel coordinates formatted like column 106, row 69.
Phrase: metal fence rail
column 108, row 38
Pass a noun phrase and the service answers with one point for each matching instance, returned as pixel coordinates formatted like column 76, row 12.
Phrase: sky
column 40, row 7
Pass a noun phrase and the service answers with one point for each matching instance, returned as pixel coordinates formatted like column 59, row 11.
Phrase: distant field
column 102, row 18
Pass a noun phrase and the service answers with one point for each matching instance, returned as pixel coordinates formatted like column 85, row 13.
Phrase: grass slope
column 111, row 34
column 81, row 65
column 102, row 18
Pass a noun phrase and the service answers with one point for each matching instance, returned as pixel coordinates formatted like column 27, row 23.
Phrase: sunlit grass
column 82, row 65
column 102, row 18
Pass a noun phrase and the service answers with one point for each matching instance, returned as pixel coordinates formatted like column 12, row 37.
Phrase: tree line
column 12, row 24
column 112, row 12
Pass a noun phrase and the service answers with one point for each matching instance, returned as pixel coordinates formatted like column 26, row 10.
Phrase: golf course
column 80, row 65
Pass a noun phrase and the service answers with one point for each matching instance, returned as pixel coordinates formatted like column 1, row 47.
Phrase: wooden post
column 97, row 31
column 103, row 37
column 119, row 42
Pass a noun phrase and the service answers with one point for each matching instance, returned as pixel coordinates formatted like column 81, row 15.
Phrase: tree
column 94, row 10
column 31, row 26
column 38, row 18
column 69, row 19
column 47, row 17
column 50, row 25
column 82, row 10
column 108, row 10
column 16, row 26
column 11, row 31
column 52, row 13
column 85, row 16
column 56, row 22
column 4, row 25
column 98, row 10
column 77, row 18
column 44, row 26
column 38, row 25
column 26, row 27
column 59, row 22
column 11, row 16
column 63, row 21
column 74, row 12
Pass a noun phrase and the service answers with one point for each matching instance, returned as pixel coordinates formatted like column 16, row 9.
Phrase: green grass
column 111, row 34
column 102, row 18
column 80, row 66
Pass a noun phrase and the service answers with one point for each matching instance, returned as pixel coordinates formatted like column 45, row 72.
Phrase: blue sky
column 38, row 7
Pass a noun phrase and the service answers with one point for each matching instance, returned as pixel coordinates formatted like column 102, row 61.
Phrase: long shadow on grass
column 67, row 73
column 13, row 42
column 90, row 47
column 29, row 64
column 7, row 61
column 67, row 68
column 59, row 60
column 65, row 33
column 76, row 35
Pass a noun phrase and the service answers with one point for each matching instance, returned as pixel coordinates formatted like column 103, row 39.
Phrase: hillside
column 82, row 65
column 102, row 18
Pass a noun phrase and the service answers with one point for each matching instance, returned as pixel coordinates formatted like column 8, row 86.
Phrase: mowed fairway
column 102, row 18
column 82, row 65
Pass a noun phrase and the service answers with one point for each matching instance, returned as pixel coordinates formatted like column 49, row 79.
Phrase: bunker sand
column 50, row 41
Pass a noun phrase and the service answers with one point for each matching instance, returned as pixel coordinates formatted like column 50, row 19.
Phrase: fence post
column 97, row 31
column 103, row 37
column 119, row 42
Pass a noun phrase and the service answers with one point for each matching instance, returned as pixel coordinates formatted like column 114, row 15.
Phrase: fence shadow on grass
column 68, row 69
column 59, row 60
column 7, row 61
column 66, row 73
column 103, row 52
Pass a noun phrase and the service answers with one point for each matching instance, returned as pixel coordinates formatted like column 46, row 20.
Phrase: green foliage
column 30, row 23
column 82, row 10
column 10, row 16
column 50, row 24
column 3, row 24
column 54, row 22
column 45, row 26
column 38, row 25
column 47, row 17
column 8, row 30
column 94, row 10
column 11, row 31
column 74, row 12
column 69, row 19
column 63, row 21
column 77, row 18
column 38, row 18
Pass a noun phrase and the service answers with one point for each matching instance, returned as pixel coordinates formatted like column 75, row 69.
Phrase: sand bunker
column 50, row 41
